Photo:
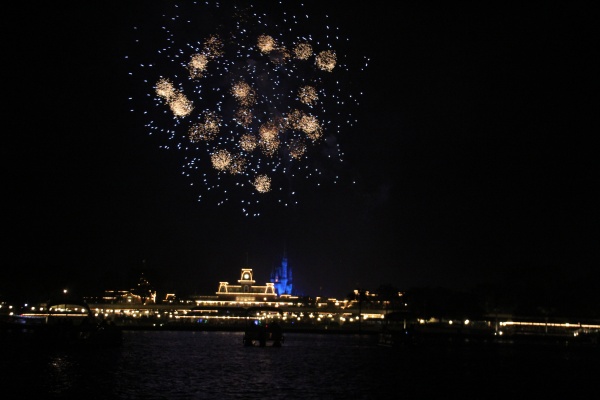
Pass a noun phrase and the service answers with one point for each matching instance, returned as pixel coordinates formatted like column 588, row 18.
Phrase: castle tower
column 281, row 277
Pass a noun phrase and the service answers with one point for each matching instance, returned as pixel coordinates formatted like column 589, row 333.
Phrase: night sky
column 472, row 157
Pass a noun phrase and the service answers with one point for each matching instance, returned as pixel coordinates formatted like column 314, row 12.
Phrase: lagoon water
column 215, row 365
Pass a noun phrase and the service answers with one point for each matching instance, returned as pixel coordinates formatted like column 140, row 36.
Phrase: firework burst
column 249, row 96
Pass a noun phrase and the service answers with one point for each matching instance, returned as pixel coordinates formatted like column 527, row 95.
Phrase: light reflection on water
column 208, row 365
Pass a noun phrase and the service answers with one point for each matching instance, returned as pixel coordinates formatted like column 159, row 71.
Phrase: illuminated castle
column 281, row 277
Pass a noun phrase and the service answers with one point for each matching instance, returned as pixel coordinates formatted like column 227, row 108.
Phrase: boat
column 397, row 329
column 263, row 327
column 60, row 322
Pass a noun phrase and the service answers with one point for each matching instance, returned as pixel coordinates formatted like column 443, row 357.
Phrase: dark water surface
column 215, row 365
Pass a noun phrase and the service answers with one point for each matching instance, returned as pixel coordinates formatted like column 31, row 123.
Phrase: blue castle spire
column 281, row 277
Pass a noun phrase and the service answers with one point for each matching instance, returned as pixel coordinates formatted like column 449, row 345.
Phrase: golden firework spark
column 221, row 159
column 207, row 128
column 266, row 43
column 308, row 95
column 237, row 164
column 243, row 116
column 269, row 138
column 165, row 89
column 293, row 119
column 180, row 105
column 269, row 148
column 303, row 51
column 243, row 93
column 310, row 125
column 268, row 131
column 326, row 60
column 213, row 47
column 297, row 148
column 248, row 142
column 262, row 183
column 197, row 65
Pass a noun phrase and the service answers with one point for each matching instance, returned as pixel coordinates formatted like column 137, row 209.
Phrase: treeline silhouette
column 572, row 298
